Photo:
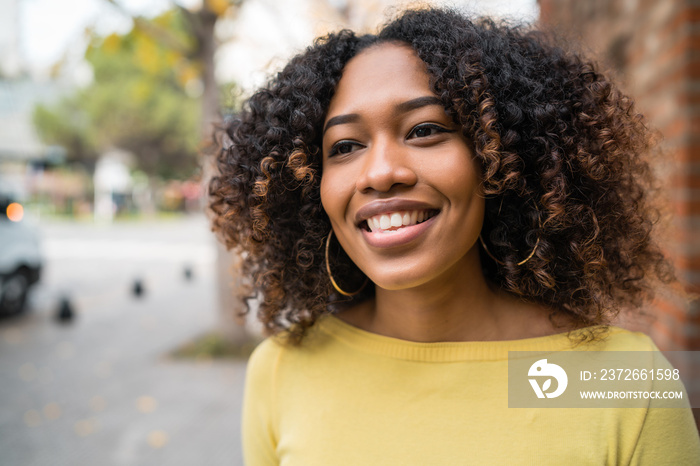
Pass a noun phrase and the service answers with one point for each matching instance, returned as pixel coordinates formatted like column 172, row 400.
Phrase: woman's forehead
column 380, row 75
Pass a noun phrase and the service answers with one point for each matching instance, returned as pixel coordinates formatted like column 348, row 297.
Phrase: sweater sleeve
column 258, row 433
column 669, row 436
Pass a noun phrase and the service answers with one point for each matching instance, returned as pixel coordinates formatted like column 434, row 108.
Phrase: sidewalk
column 103, row 390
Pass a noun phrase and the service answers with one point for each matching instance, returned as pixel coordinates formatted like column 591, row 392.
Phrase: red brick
column 669, row 340
column 687, row 15
column 679, row 180
column 678, row 327
column 688, row 263
column 687, row 208
column 675, row 128
column 687, row 153
column 661, row 62
column 674, row 75
column 672, row 310
column 682, row 17
column 670, row 49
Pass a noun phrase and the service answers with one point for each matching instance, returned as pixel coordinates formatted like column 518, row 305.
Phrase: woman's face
column 400, row 183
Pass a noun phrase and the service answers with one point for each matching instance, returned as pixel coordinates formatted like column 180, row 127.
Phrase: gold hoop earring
column 330, row 275
column 502, row 263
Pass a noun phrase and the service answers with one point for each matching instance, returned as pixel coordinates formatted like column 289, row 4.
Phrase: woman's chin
column 397, row 283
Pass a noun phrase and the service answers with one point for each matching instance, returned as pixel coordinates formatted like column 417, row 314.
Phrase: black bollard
column 138, row 289
column 66, row 313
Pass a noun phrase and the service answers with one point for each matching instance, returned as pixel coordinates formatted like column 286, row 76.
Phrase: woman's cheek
column 328, row 197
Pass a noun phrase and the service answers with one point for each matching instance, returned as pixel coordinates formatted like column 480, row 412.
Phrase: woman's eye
column 343, row 147
column 425, row 130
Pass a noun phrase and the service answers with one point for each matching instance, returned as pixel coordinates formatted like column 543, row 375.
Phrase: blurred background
column 119, row 343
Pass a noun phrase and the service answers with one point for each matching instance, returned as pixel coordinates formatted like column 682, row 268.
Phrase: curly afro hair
column 564, row 168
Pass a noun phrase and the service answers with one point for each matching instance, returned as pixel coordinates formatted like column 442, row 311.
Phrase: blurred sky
column 52, row 30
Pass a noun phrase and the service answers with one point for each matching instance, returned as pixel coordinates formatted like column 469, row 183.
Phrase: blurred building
column 22, row 154
column 23, row 157
column 654, row 48
column 9, row 38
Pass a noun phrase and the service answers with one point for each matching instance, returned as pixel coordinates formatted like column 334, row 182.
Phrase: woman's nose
column 385, row 165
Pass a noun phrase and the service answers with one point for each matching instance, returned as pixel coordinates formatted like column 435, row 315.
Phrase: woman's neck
column 457, row 306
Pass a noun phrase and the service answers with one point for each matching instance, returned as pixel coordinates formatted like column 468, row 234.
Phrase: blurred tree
column 144, row 98
column 197, row 46
column 67, row 125
column 154, row 92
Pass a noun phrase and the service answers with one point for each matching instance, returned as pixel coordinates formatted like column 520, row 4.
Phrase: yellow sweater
column 350, row 397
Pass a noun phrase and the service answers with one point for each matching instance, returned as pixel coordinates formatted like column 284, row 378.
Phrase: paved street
column 104, row 390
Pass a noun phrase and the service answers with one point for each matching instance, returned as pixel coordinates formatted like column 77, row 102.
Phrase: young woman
column 413, row 205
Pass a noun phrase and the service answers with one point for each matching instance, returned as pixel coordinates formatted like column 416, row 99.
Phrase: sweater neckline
column 451, row 351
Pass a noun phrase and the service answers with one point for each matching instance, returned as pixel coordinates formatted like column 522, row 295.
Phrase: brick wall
column 653, row 47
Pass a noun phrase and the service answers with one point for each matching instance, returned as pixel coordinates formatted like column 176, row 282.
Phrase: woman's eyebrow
column 341, row 119
column 403, row 107
column 416, row 103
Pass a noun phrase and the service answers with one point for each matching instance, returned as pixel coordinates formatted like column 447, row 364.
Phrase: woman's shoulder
column 267, row 351
column 273, row 348
column 614, row 338
column 262, row 362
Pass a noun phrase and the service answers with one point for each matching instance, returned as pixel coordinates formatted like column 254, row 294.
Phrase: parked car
column 20, row 257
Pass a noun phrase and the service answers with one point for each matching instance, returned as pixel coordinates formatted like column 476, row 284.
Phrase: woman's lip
column 392, row 239
column 386, row 206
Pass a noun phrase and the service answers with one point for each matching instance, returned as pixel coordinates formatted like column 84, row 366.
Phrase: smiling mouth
column 394, row 221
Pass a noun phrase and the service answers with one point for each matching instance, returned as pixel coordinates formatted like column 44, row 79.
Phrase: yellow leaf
column 171, row 58
column 218, row 6
column 112, row 43
column 138, row 33
column 147, row 55
column 187, row 73
column 141, row 91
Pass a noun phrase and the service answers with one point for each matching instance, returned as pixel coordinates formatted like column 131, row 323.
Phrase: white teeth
column 396, row 220
column 384, row 222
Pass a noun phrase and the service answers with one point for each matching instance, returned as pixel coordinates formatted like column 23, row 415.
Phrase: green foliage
column 138, row 100
column 66, row 124
column 215, row 346
column 230, row 98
